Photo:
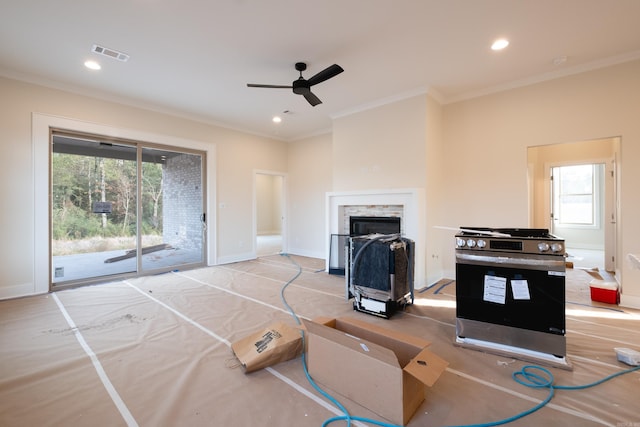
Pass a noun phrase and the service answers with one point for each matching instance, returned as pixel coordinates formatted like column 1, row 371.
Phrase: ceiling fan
column 302, row 86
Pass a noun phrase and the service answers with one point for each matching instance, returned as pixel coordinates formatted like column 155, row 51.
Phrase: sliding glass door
column 172, row 208
column 122, row 208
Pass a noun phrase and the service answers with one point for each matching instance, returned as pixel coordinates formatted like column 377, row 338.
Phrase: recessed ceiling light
column 92, row 65
column 276, row 119
column 500, row 44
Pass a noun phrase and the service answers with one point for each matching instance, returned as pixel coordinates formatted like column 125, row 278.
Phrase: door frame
column 605, row 195
column 541, row 157
column 283, row 205
column 41, row 127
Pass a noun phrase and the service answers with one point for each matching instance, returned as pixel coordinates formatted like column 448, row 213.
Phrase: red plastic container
column 602, row 291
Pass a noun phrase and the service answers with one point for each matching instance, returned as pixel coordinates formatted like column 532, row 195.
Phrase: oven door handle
column 512, row 262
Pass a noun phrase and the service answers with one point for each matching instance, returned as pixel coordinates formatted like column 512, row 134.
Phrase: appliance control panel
column 531, row 246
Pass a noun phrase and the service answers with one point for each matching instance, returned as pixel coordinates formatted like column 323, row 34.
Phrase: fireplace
column 406, row 204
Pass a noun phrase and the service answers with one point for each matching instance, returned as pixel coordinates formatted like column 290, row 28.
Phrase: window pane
column 576, row 196
column 576, row 179
column 576, row 209
column 93, row 212
column 172, row 196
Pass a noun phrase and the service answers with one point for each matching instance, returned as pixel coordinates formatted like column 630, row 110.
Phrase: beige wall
column 397, row 146
column 268, row 204
column 486, row 141
column 436, row 177
column 470, row 158
column 541, row 159
column 381, row 148
column 376, row 149
column 237, row 155
column 238, row 158
column 309, row 179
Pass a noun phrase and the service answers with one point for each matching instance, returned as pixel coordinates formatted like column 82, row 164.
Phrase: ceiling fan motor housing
column 301, row 86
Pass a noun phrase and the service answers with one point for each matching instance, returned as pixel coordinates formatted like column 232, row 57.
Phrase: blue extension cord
column 525, row 376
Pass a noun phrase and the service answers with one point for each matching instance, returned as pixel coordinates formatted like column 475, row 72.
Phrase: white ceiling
column 195, row 57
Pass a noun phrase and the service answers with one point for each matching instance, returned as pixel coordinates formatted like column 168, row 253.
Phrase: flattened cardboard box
column 381, row 369
column 276, row 343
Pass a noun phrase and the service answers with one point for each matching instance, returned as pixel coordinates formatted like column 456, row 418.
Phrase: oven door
column 514, row 290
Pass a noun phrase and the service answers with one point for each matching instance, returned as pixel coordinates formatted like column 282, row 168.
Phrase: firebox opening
column 362, row 225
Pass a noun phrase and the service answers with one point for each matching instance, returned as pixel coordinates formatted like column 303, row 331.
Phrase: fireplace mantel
column 412, row 201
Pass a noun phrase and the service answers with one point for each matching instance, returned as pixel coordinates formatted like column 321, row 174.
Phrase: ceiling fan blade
column 313, row 100
column 325, row 74
column 269, row 86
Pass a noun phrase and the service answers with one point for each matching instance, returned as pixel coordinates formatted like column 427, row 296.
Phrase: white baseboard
column 269, row 233
column 247, row 256
column 18, row 291
column 307, row 253
column 629, row 301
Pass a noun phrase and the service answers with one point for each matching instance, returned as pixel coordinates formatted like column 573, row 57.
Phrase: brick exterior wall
column 182, row 202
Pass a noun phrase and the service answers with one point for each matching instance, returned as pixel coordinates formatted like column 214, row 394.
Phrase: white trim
column 552, row 75
column 40, row 127
column 389, row 100
column 629, row 301
column 229, row 259
column 17, row 291
column 306, row 252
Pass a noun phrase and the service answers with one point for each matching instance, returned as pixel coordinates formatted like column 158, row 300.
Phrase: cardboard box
column 603, row 291
column 381, row 369
column 273, row 344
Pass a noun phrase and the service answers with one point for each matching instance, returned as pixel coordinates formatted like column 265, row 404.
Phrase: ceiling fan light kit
column 301, row 86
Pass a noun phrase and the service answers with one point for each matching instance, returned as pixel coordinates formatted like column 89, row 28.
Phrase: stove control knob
column 556, row 247
column 543, row 246
column 460, row 242
column 482, row 243
column 471, row 243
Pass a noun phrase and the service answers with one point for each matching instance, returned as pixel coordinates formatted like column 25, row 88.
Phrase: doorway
column 588, row 190
column 577, row 211
column 123, row 208
column 269, row 213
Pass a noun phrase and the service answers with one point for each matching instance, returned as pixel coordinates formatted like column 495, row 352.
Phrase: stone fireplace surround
column 406, row 203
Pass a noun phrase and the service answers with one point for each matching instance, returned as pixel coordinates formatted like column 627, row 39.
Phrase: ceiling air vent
column 101, row 50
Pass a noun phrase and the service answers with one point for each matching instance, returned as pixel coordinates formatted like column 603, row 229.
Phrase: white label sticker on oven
column 495, row 289
column 520, row 289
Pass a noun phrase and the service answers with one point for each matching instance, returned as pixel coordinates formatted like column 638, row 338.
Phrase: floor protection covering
column 155, row 351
